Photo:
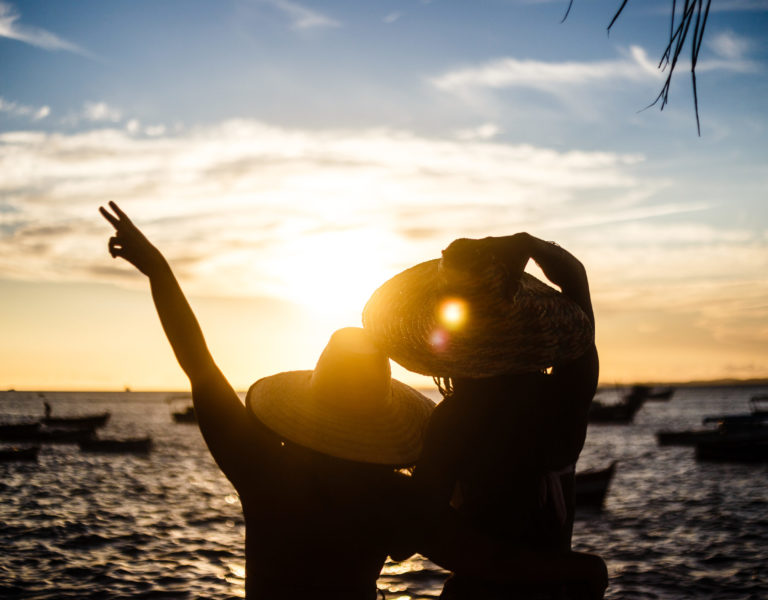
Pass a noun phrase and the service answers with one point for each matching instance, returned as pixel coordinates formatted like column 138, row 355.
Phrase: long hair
column 445, row 385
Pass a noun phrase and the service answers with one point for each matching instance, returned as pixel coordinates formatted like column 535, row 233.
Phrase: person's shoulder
column 582, row 371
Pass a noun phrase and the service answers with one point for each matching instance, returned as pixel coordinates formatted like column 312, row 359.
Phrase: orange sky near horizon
column 306, row 153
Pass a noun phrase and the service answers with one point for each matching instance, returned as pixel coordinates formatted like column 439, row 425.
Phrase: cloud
column 244, row 201
column 513, row 72
column 21, row 110
column 303, row 18
column 101, row 111
column 740, row 5
column 322, row 217
column 486, row 131
column 392, row 17
column 727, row 44
column 10, row 28
column 561, row 78
column 98, row 112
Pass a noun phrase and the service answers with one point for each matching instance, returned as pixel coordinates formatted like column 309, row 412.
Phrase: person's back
column 317, row 526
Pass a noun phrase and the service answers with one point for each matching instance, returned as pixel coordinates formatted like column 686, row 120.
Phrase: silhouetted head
column 348, row 407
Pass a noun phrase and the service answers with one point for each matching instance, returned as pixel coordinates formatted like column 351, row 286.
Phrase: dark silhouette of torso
column 494, row 448
column 317, row 526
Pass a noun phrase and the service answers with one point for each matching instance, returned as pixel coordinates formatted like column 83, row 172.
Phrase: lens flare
column 453, row 313
column 438, row 340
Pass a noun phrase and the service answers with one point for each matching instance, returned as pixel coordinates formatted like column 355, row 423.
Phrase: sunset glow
column 299, row 158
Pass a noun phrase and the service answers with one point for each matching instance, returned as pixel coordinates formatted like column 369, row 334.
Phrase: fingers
column 112, row 220
column 118, row 212
column 115, row 247
column 116, row 222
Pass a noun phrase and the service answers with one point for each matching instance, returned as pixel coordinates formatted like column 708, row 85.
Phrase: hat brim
column 531, row 328
column 390, row 435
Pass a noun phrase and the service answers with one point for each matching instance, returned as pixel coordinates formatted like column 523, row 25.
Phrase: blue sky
column 291, row 156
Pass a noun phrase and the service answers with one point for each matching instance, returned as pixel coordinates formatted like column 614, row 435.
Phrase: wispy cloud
column 300, row 197
column 392, row 17
column 101, row 111
column 301, row 17
column 23, row 110
column 12, row 29
column 728, row 44
column 97, row 112
column 486, row 131
column 513, row 72
column 274, row 208
column 561, row 77
column 739, row 5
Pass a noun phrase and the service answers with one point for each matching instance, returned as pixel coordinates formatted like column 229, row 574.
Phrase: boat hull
column 109, row 446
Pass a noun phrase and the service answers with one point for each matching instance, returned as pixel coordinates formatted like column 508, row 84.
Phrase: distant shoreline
column 755, row 382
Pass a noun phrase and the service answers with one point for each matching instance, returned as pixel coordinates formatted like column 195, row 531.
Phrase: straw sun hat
column 467, row 315
column 348, row 407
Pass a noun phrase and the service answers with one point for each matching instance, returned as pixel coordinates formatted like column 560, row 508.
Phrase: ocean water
column 75, row 525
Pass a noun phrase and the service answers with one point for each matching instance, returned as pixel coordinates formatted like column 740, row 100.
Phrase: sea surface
column 77, row 525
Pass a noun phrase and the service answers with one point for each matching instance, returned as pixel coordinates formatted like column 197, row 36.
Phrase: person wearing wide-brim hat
column 314, row 456
column 517, row 365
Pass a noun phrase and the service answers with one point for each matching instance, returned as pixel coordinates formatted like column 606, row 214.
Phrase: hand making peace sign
column 130, row 243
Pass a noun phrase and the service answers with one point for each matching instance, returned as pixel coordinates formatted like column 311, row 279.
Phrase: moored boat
column 46, row 435
column 752, row 449
column 187, row 415
column 78, row 422
column 729, row 428
column 117, row 446
column 13, row 454
column 591, row 487
column 661, row 393
column 14, row 431
column 621, row 412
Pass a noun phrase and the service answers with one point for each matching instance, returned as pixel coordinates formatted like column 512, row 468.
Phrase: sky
column 289, row 157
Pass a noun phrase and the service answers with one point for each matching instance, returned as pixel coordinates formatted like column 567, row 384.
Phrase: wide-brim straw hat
column 349, row 407
column 466, row 315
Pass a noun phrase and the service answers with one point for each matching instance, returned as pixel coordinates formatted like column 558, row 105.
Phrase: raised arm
column 560, row 266
column 562, row 423
column 221, row 415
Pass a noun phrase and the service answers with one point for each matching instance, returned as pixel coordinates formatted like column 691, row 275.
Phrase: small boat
column 693, row 437
column 185, row 416
column 751, row 449
column 660, row 394
column 14, row 431
column 117, row 446
column 727, row 428
column 37, row 434
column 59, row 436
column 621, row 412
column 19, row 454
column 759, row 405
column 757, row 417
column 84, row 422
column 591, row 487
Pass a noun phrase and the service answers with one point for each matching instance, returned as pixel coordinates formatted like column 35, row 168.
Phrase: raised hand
column 129, row 243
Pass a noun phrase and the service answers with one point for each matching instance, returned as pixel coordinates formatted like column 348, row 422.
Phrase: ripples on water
column 169, row 526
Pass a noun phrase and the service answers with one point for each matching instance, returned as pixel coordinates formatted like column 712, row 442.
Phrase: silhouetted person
column 47, row 408
column 314, row 457
column 517, row 365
